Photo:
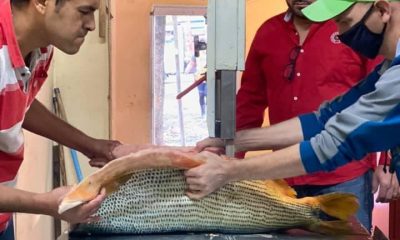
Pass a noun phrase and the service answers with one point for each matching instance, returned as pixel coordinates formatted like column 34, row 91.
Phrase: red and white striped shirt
column 19, row 85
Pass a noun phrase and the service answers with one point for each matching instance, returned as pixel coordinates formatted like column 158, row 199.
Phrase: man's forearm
column 275, row 137
column 280, row 164
column 41, row 121
column 14, row 200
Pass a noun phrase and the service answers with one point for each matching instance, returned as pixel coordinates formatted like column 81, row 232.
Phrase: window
column 179, row 59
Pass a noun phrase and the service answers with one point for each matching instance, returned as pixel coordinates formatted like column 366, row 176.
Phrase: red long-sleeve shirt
column 323, row 68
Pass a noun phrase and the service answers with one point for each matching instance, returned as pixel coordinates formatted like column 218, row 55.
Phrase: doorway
column 178, row 60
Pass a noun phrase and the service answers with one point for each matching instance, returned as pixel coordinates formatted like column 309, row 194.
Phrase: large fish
column 151, row 199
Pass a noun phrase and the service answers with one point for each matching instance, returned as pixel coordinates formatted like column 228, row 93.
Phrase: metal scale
column 225, row 57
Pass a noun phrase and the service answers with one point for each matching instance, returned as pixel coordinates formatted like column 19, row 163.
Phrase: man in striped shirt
column 365, row 119
column 28, row 30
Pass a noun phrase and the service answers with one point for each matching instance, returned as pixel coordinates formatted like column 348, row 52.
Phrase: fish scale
column 153, row 201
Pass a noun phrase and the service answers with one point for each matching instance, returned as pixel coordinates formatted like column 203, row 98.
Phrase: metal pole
column 178, row 81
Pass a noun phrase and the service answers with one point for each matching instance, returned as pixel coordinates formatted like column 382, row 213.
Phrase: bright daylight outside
column 179, row 61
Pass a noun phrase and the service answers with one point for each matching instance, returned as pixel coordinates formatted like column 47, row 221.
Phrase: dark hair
column 22, row 2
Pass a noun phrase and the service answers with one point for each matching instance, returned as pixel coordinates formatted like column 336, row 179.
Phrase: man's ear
column 41, row 5
column 385, row 9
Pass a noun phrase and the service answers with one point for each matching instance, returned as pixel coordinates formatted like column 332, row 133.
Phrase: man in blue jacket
column 365, row 119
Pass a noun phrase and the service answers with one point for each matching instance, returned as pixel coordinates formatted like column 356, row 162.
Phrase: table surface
column 76, row 234
column 221, row 237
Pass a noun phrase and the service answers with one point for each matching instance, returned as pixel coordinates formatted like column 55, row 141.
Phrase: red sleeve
column 251, row 100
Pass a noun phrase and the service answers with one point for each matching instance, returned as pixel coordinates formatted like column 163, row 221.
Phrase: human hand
column 208, row 177
column 100, row 151
column 84, row 213
column 214, row 145
column 387, row 184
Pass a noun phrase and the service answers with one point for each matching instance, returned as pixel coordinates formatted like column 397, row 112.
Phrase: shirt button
column 302, row 50
column 295, row 98
column 298, row 74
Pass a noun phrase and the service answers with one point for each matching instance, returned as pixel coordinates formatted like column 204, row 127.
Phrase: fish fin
column 281, row 187
column 85, row 191
column 73, row 200
column 67, row 205
column 338, row 205
column 334, row 228
column 114, row 185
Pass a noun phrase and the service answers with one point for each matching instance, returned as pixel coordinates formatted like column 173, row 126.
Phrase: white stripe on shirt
column 7, row 76
column 12, row 139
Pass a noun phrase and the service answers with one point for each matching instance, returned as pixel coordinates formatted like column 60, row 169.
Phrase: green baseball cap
column 322, row 10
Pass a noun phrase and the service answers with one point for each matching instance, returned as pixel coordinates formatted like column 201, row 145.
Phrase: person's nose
column 90, row 24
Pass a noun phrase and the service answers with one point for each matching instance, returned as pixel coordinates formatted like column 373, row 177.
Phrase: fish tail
column 334, row 228
column 338, row 205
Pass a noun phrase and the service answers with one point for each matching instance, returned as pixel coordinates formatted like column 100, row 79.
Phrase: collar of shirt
column 288, row 18
column 7, row 25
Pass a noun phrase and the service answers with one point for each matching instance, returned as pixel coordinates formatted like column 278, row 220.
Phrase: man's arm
column 327, row 128
column 276, row 136
column 14, row 200
column 41, row 121
column 295, row 130
column 362, row 121
column 217, row 172
column 279, row 164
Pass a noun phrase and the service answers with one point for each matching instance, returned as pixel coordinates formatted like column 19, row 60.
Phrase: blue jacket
column 365, row 119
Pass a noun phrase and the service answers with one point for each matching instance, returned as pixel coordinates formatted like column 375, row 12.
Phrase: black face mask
column 362, row 40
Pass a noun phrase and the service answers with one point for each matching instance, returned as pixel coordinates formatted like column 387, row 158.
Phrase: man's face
column 68, row 23
column 383, row 13
column 297, row 5
column 353, row 16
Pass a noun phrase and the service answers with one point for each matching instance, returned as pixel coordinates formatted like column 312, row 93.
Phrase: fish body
column 154, row 201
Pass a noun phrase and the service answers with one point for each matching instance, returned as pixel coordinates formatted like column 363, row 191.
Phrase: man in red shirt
column 27, row 30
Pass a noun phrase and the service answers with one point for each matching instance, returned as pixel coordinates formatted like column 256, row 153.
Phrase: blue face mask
column 362, row 40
